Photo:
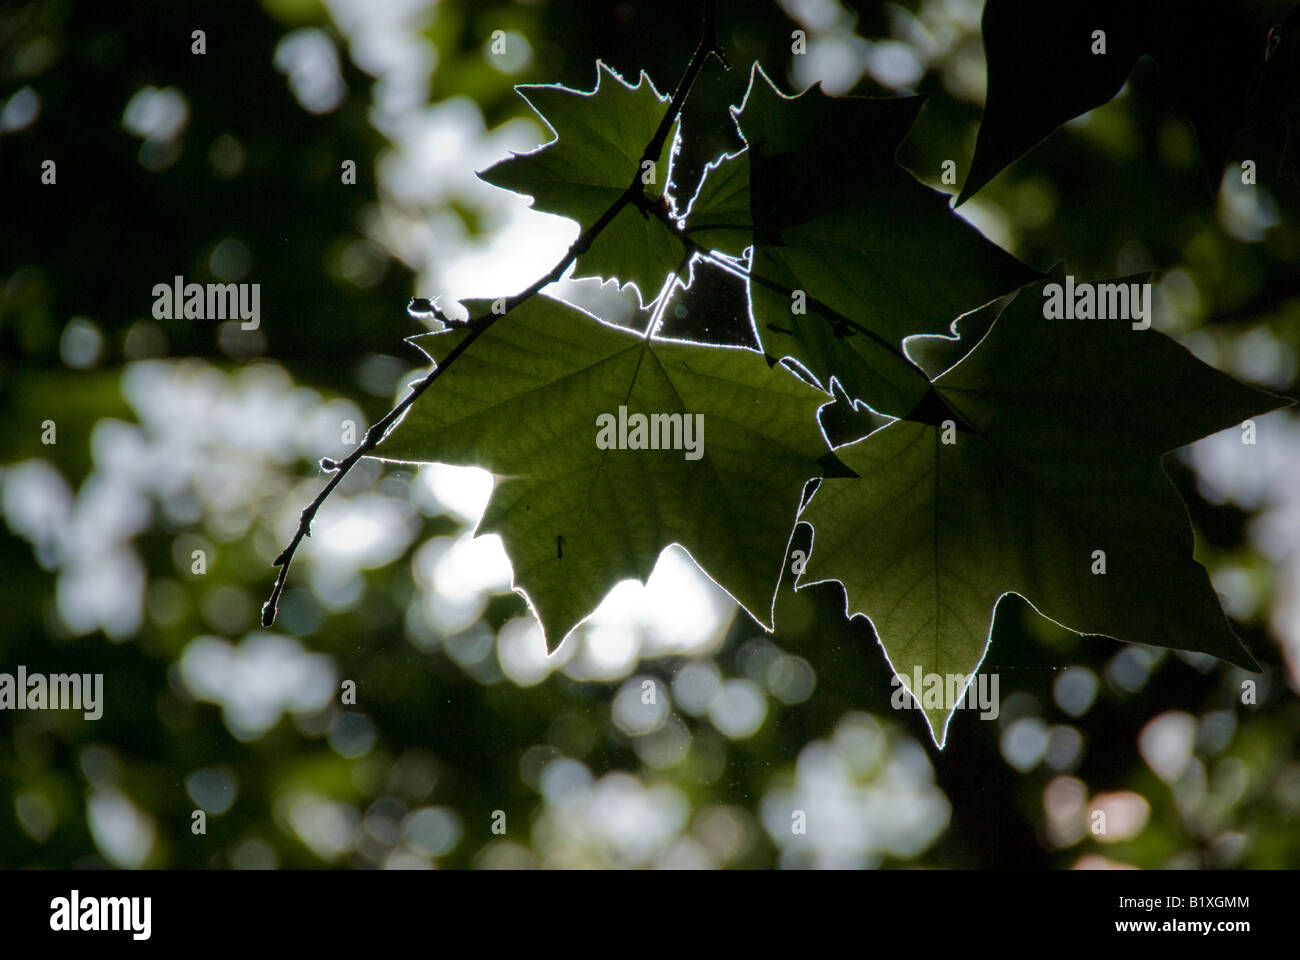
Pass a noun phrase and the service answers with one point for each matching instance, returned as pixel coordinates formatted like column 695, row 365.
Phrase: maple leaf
column 1057, row 478
column 851, row 254
column 527, row 401
column 600, row 137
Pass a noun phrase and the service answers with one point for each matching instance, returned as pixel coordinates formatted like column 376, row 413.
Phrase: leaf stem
column 475, row 328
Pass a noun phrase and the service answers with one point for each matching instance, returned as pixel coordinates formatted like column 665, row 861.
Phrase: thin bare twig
column 708, row 46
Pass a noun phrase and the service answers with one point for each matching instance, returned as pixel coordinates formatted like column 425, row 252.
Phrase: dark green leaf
column 851, row 254
column 1042, row 70
column 1068, row 425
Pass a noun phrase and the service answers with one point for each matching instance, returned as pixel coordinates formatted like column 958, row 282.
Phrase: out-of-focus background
column 138, row 543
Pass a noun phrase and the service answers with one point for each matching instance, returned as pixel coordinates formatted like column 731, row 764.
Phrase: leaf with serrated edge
column 878, row 255
column 599, row 139
column 1069, row 427
column 523, row 402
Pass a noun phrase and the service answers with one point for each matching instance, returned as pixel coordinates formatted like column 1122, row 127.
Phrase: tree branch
column 708, row 46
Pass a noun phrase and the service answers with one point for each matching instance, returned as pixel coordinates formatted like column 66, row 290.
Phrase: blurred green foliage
column 439, row 737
